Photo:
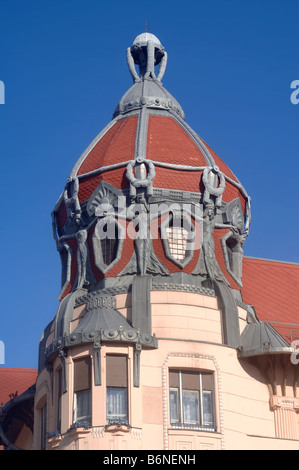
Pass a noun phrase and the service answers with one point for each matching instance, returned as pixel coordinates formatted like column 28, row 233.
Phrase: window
column 43, row 427
column 191, row 399
column 177, row 239
column 82, row 391
column 117, row 390
column 109, row 250
column 59, row 393
column 107, row 242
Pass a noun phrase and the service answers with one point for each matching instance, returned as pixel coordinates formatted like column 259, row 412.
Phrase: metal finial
column 147, row 52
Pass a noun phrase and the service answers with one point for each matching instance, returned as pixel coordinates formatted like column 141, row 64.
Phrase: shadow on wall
column 276, row 371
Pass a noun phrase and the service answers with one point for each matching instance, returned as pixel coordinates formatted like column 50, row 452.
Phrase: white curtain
column 82, row 405
column 117, row 404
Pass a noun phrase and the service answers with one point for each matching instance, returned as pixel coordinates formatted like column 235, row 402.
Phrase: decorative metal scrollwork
column 143, row 182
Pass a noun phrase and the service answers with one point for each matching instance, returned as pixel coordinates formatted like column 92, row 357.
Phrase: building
column 16, row 407
column 166, row 337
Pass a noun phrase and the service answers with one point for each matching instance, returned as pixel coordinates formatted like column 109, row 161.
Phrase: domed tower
column 148, row 157
column 150, row 228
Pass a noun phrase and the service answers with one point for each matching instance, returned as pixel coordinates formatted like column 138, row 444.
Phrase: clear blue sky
column 63, row 63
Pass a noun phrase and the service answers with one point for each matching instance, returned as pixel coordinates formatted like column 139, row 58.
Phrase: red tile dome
column 149, row 147
column 178, row 154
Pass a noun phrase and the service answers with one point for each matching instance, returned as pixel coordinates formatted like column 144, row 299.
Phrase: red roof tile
column 231, row 193
column 115, row 177
column 168, row 142
column 15, row 380
column 116, row 146
column 178, row 179
column 220, row 163
column 272, row 288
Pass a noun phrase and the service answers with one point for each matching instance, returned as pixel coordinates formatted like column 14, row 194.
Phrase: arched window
column 178, row 237
column 109, row 248
column 107, row 242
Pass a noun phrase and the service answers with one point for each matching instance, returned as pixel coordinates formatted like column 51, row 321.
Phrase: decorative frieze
column 183, row 288
column 101, row 431
column 100, row 302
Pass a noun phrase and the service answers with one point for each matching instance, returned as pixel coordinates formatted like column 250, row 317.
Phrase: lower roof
column 14, row 381
column 272, row 288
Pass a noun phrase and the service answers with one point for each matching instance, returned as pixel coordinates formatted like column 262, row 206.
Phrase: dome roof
column 142, row 40
column 149, row 123
column 148, row 151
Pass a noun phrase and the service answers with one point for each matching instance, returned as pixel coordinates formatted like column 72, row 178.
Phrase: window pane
column 109, row 250
column 206, row 381
column 177, row 239
column 190, row 407
column 174, row 405
column 207, row 409
column 82, row 376
column 117, row 405
column 109, row 244
column 190, row 380
column 82, row 405
column 116, row 371
column 173, row 379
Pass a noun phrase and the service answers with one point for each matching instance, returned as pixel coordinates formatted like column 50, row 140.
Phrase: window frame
column 180, row 422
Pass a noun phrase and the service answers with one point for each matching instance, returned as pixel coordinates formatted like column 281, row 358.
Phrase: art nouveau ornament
column 147, row 52
column 71, row 200
column 210, row 178
column 207, row 265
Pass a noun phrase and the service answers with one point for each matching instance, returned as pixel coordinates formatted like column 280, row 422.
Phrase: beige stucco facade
column 188, row 326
